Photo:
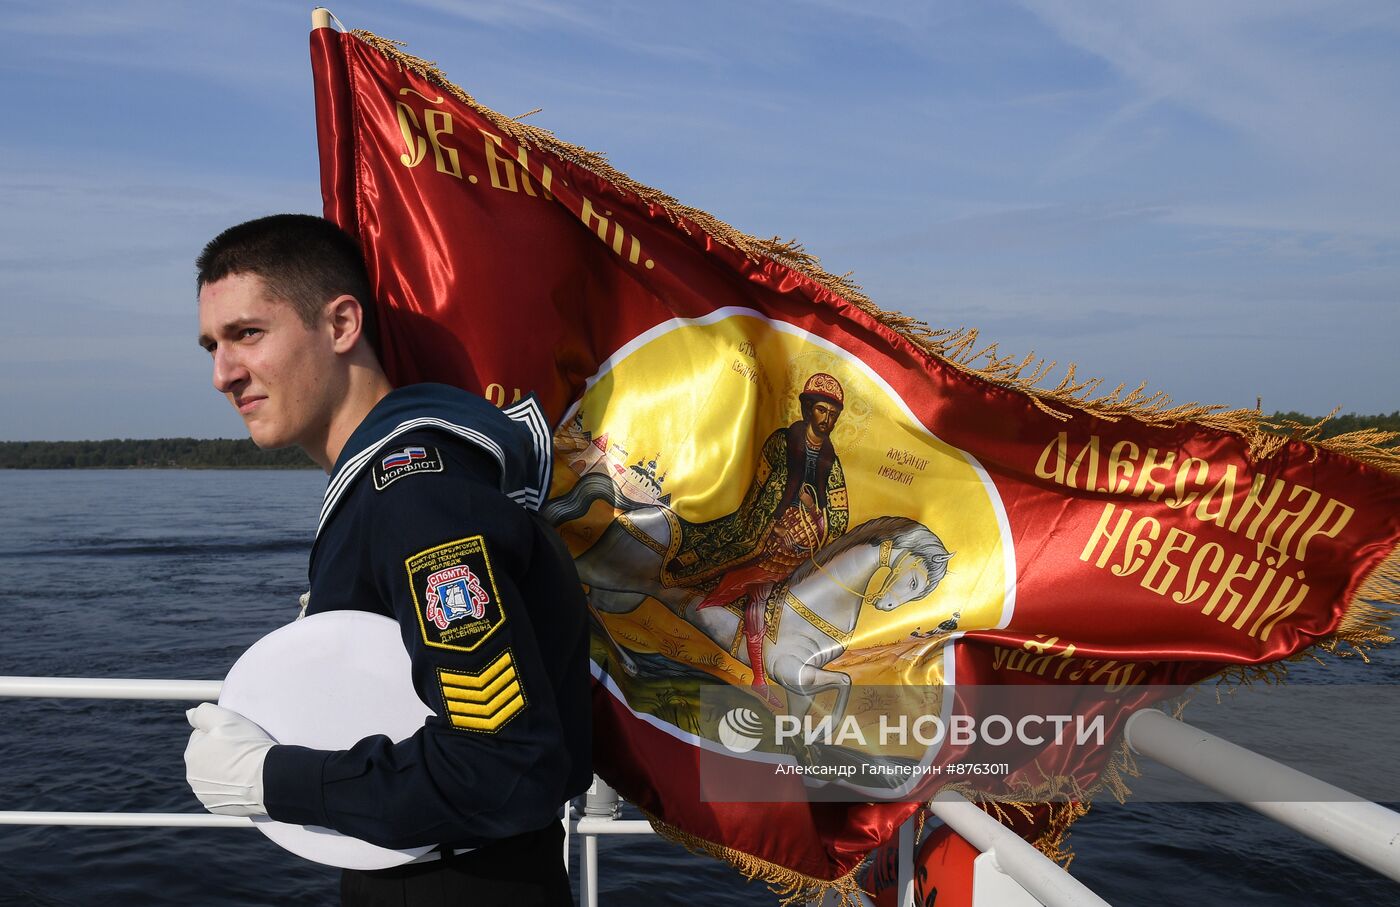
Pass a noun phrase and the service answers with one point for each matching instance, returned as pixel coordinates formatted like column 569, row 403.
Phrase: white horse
column 884, row 563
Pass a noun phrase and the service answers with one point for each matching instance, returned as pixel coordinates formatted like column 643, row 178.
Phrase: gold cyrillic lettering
column 416, row 144
column 1121, row 467
column 1151, row 465
column 1192, row 590
column 497, row 395
column 1252, row 502
column 439, row 123
column 1278, row 608
column 1255, row 599
column 1144, row 533
column 1343, row 515
column 1182, row 499
column 1223, row 587
column 1059, row 448
column 501, row 168
column 546, row 175
column 1110, row 536
column 1091, row 474
column 1225, row 491
column 1176, row 540
column 1298, row 518
column 593, row 220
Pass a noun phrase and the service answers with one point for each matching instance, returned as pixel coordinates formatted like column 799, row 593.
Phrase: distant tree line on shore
column 225, row 453
column 157, row 453
column 1341, row 424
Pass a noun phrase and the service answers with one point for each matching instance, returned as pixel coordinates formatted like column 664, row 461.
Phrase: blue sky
column 1201, row 195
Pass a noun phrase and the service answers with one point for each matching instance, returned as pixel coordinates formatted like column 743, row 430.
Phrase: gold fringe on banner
column 1052, row 841
column 790, row 886
column 1366, row 623
column 957, row 348
column 1363, row 626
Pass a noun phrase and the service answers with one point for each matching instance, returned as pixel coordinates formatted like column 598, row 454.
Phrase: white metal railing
column 1042, row 877
column 124, row 820
column 110, row 688
column 1350, row 825
column 601, row 804
column 600, row 817
column 115, row 688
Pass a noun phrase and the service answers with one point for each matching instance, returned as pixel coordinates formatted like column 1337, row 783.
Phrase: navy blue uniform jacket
column 429, row 519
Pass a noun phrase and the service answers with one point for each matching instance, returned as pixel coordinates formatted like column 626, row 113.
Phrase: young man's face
column 280, row 374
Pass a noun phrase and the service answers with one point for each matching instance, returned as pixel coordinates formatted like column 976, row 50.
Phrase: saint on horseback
column 778, row 582
column 796, row 505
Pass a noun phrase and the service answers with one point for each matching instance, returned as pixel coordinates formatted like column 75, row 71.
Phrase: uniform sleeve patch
column 409, row 461
column 454, row 594
column 486, row 700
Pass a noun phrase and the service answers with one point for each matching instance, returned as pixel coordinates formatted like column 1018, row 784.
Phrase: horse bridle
column 884, row 575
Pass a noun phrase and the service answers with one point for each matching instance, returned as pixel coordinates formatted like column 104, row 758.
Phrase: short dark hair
column 304, row 260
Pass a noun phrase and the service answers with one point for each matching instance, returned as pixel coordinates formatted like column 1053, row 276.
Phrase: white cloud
column 1300, row 80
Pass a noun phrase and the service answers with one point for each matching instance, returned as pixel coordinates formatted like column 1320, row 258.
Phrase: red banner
column 769, row 483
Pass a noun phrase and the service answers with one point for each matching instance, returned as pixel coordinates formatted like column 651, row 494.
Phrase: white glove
column 224, row 761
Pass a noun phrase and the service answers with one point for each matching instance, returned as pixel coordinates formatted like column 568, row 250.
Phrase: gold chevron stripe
column 464, row 694
column 486, row 700
column 485, row 709
column 495, row 721
column 481, row 679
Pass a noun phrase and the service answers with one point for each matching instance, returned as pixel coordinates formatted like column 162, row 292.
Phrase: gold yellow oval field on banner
column 665, row 452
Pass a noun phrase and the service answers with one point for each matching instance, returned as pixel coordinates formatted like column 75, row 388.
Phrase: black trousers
column 524, row 871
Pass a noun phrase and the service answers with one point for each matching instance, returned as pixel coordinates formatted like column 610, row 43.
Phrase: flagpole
column 321, row 18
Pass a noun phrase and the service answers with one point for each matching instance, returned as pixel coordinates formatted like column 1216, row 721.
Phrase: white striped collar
column 526, row 483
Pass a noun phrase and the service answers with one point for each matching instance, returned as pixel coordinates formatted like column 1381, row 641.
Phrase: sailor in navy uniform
column 429, row 519
column 509, row 741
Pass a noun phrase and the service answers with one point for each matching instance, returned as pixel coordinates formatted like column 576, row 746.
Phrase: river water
column 174, row 573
